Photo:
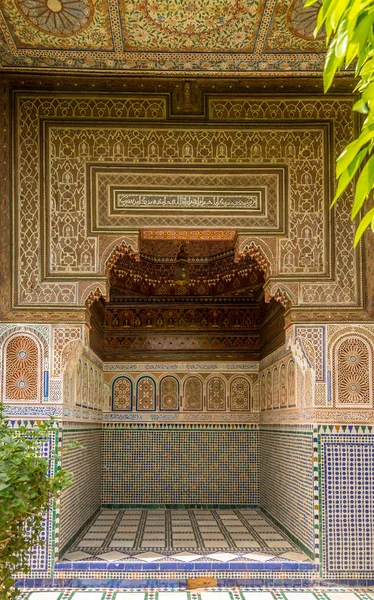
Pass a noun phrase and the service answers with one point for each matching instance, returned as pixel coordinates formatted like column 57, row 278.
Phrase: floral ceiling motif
column 210, row 25
column 164, row 35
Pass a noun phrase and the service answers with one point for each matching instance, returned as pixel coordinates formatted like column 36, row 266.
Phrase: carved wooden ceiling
column 169, row 36
column 220, row 275
column 202, row 245
column 148, row 316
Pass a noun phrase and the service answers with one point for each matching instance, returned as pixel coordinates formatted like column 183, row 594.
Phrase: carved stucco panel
column 305, row 151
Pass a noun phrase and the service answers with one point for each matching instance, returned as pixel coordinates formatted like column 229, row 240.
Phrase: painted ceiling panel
column 111, row 36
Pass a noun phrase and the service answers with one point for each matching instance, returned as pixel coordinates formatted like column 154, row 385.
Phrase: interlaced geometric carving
column 313, row 345
column 61, row 337
column 216, row 394
column 169, row 393
column 78, row 384
column 122, row 394
column 55, row 391
column 240, row 394
column 263, row 392
column 283, row 386
column 96, row 399
column 146, row 394
column 193, row 394
column 275, row 388
column 72, row 248
column 291, row 383
column 256, row 398
column 22, row 369
column 269, row 394
column 91, row 388
column 303, row 251
column 353, row 369
column 85, row 385
column 308, row 388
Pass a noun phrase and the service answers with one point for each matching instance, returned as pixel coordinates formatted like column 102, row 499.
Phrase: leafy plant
column 350, row 37
column 26, row 492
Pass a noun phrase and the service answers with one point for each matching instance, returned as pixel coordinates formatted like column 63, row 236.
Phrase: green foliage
column 349, row 28
column 26, row 492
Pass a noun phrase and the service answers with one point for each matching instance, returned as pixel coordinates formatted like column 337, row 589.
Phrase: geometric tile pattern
column 347, row 504
column 286, row 480
column 190, row 466
column 184, row 535
column 41, row 556
column 80, row 501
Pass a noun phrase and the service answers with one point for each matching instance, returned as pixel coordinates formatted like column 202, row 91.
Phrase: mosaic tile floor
column 152, row 535
column 211, row 594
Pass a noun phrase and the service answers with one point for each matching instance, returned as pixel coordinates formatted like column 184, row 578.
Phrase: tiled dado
column 168, row 593
column 165, row 464
column 345, row 454
column 81, row 499
column 286, row 480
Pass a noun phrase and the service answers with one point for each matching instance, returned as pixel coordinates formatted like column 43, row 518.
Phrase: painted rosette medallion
column 302, row 21
column 62, row 18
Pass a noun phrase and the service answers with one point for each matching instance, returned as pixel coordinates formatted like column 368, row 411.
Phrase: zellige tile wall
column 286, row 480
column 81, row 500
column 180, row 465
column 346, row 462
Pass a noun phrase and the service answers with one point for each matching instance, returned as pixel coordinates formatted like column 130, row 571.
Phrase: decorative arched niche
column 352, row 371
column 22, row 369
column 216, row 394
column 122, row 393
column 240, row 394
column 193, row 394
column 169, row 393
column 146, row 393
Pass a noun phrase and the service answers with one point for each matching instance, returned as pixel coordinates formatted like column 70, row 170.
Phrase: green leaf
column 352, row 149
column 361, row 107
column 341, row 40
column 364, row 186
column 364, row 224
column 332, row 64
column 337, row 12
column 326, row 6
column 359, row 37
column 347, row 175
column 26, row 490
column 368, row 93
